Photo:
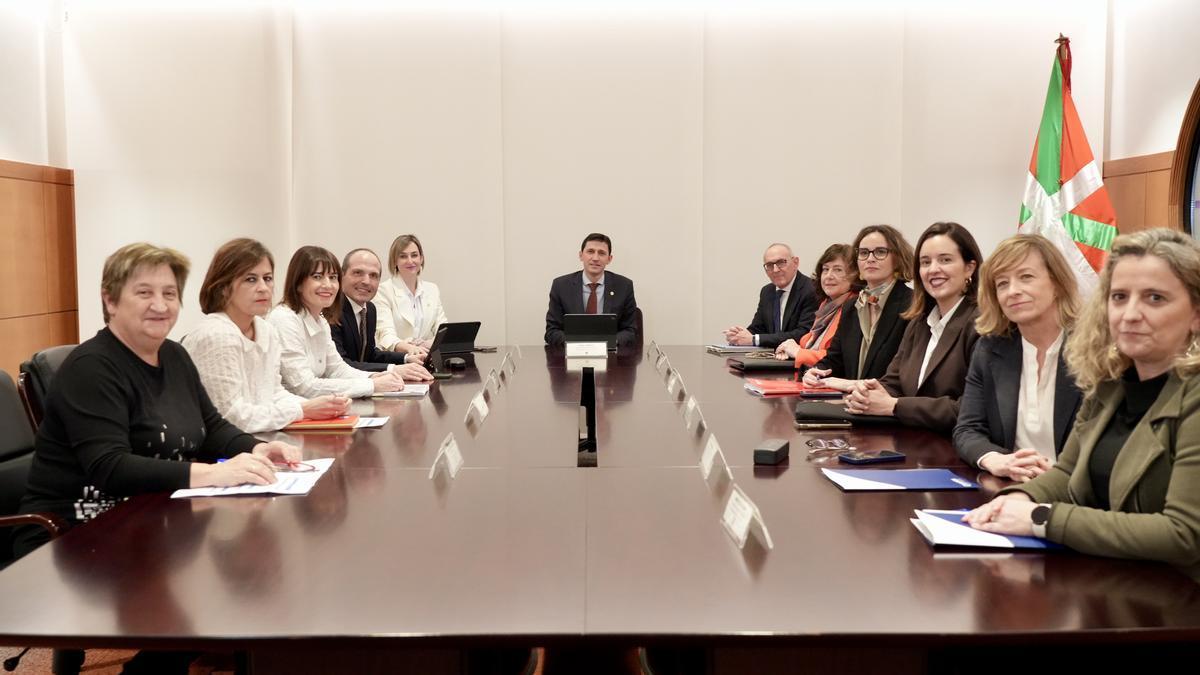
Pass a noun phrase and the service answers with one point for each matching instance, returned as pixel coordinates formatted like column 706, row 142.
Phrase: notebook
column 945, row 528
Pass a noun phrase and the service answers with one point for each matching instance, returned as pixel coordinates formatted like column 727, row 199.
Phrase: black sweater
column 116, row 426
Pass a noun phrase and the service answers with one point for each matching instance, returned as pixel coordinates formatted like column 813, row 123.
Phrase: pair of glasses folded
column 816, row 445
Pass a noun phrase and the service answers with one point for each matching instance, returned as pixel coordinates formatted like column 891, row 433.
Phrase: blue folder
column 1018, row 541
column 900, row 479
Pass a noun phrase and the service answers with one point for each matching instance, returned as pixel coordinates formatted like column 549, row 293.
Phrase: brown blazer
column 1155, row 485
column 933, row 405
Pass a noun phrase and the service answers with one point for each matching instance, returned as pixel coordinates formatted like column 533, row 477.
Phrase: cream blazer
column 396, row 323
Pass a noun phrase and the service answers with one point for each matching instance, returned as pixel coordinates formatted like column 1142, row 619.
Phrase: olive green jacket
column 1154, row 490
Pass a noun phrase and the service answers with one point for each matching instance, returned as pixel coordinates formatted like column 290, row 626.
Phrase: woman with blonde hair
column 1127, row 483
column 1020, row 401
column 409, row 307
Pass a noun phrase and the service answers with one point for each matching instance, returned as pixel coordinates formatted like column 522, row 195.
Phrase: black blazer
column 566, row 297
column 345, row 336
column 797, row 315
column 842, row 357
column 987, row 416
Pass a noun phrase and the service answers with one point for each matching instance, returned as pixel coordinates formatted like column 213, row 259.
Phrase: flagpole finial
column 1064, row 58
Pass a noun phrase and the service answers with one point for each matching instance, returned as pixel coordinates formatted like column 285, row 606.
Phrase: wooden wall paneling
column 23, row 335
column 1158, row 184
column 61, row 293
column 9, row 169
column 63, row 328
column 1128, row 194
column 1159, row 161
column 23, row 248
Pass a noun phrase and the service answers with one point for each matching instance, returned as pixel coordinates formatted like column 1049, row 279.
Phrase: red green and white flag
column 1065, row 199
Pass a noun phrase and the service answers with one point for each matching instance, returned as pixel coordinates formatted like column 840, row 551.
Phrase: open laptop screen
column 460, row 336
column 591, row 328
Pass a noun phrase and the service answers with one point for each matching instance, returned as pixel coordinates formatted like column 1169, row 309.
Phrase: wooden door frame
column 1178, row 209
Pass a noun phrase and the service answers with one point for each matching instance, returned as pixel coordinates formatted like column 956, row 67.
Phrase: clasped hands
column 1023, row 465
column 863, row 397
column 868, row 397
column 415, row 351
column 738, row 335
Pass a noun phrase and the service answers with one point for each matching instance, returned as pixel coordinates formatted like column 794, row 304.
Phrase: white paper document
column 730, row 349
column 286, row 483
column 411, row 390
column 371, row 422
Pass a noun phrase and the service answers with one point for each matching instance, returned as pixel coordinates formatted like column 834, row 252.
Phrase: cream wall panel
column 22, row 88
column 801, row 142
column 1155, row 67
column 692, row 136
column 398, row 130
column 974, row 86
column 602, row 132
column 178, row 132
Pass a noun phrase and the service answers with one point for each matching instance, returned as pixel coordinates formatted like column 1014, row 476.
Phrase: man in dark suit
column 593, row 291
column 786, row 306
column 355, row 335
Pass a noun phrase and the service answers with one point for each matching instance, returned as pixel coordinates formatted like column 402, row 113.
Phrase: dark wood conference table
column 525, row 547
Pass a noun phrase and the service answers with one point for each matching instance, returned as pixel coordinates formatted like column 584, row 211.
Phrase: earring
column 1113, row 352
column 1193, row 349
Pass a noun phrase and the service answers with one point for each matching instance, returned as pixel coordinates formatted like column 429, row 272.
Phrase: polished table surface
column 524, row 546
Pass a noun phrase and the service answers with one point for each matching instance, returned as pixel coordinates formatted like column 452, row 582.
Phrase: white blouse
column 241, row 375
column 404, row 316
column 937, row 326
column 1035, row 403
column 310, row 362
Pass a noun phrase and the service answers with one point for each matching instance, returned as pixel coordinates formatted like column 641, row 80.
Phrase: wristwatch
column 1041, row 518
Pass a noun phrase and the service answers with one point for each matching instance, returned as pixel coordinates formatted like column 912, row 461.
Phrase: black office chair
column 638, row 327
column 16, row 454
column 36, row 376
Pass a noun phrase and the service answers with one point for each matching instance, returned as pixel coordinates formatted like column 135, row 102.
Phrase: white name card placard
column 449, row 457
column 661, row 362
column 478, row 409
column 492, row 385
column 742, row 517
column 691, row 412
column 675, row 384
column 587, row 350
column 505, row 364
column 711, row 456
